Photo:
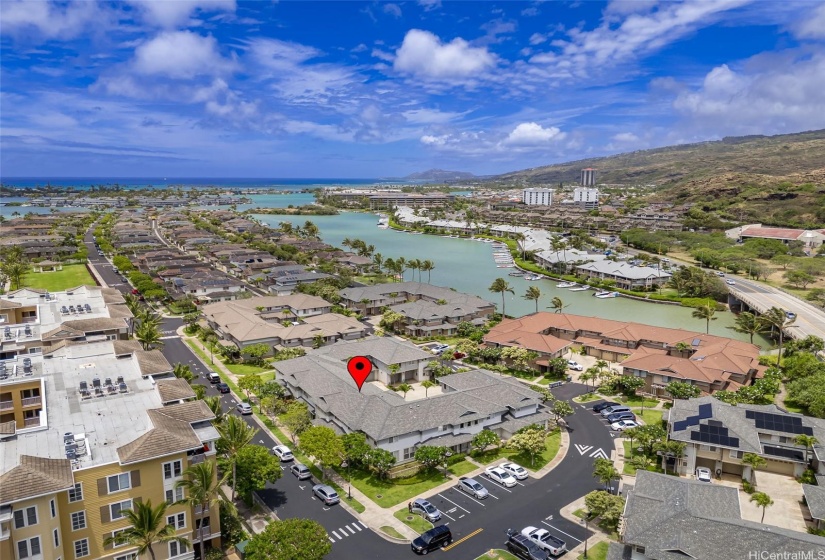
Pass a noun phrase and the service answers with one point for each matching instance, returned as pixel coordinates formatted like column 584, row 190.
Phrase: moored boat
column 566, row 285
column 605, row 294
column 580, row 288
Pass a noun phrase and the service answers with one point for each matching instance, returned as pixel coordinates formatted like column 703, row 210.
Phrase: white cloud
column 392, row 9
column 430, row 116
column 383, row 55
column 813, row 25
column 182, row 55
column 537, row 39
column 50, row 19
column 172, row 13
column 624, row 7
column 434, row 140
column 532, row 134
column 360, row 48
column 530, row 12
column 424, row 55
column 625, row 137
column 429, row 5
column 772, row 93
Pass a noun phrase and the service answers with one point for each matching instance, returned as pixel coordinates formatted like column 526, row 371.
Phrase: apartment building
column 537, row 197
column 104, row 425
column 394, row 361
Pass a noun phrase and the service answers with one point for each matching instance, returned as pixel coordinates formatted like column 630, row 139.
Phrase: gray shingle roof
column 382, row 291
column 35, row 476
column 815, row 497
column 384, row 349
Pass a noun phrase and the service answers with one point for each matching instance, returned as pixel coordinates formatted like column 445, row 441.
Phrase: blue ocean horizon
column 192, row 182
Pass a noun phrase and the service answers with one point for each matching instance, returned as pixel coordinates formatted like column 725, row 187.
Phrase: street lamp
column 447, row 456
column 345, row 464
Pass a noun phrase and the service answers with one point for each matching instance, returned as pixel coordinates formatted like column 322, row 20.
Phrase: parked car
column 574, row 365
column 523, row 547
column 703, row 474
column 425, row 509
column 516, row 470
column 284, row 453
column 621, row 416
column 301, row 471
column 222, row 387
column 244, row 408
column 213, row 377
column 472, row 487
column 720, row 274
column 433, row 539
column 730, row 282
column 545, row 540
column 326, row 494
column 623, row 425
column 499, row 475
column 614, row 409
column 602, row 405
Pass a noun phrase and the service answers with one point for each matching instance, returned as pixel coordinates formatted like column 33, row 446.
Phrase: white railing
column 31, row 401
column 30, row 422
column 6, row 405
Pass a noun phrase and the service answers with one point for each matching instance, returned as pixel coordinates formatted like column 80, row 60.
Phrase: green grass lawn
column 636, row 400
column 395, row 491
column 415, row 521
column 628, row 468
column 587, row 397
column 793, row 407
column 523, row 459
column 497, row 554
column 392, row 532
column 648, row 416
column 596, row 552
column 72, row 276
column 245, row 369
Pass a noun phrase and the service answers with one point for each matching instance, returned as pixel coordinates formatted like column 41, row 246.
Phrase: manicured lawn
column 497, row 554
column 636, row 400
column 596, row 552
column 587, row 397
column 523, row 459
column 72, row 276
column 649, row 416
column 579, row 513
column 392, row 532
column 793, row 407
column 245, row 369
column 628, row 453
column 416, row 522
column 395, row 491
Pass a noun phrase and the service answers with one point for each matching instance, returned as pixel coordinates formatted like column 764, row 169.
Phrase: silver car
column 326, row 494
column 426, row 510
column 472, row 487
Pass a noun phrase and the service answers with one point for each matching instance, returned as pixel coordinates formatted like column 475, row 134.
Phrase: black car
column 602, row 405
column 222, row 387
column 433, row 539
column 621, row 416
column 523, row 547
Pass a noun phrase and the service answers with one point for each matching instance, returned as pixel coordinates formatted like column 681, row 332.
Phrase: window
column 78, row 520
column 177, row 521
column 172, row 470
column 81, row 548
column 29, row 548
column 176, row 549
column 116, row 544
column 130, row 556
column 174, row 495
column 117, row 509
column 25, row 517
column 56, row 535
column 53, row 508
column 735, row 454
column 119, row 482
column 409, row 453
column 76, row 493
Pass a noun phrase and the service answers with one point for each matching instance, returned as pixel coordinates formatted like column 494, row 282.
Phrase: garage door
column 732, row 468
column 780, row 467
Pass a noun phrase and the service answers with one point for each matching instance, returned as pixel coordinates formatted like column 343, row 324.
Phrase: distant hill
column 778, row 180
column 439, row 175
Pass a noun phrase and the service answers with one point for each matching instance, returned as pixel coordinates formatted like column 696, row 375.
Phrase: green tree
column 427, row 266
column 183, row 371
column 323, row 444
column 556, row 304
column 754, row 461
column 235, row 436
column 762, row 500
column 255, row 467
column 799, row 279
column 202, row 490
column 296, row 419
column 631, row 434
column 431, row 456
column 629, row 384
column 562, row 409
column 290, row 539
column 533, row 293
column 807, row 442
column 356, row 448
column 255, row 353
column 605, row 506
column 706, row 313
column 778, row 320
column 250, row 383
column 748, row 323
column 214, row 404
column 148, row 335
column 428, row 384
column 381, row 461
column 404, row 388
column 501, row 286
column 484, row 439
column 531, row 441
column 682, row 390
column 605, row 471
column 147, row 526
column 317, row 341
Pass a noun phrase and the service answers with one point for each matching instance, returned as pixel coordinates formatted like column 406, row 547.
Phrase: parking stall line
column 492, row 495
column 562, row 532
column 448, row 515
column 455, row 504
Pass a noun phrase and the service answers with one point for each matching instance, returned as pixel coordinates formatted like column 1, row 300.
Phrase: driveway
column 786, row 494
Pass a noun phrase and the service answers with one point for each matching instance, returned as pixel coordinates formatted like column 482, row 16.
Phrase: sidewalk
column 96, row 275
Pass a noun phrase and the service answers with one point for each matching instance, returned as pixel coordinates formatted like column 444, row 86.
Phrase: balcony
column 196, row 459
column 32, row 401
column 6, row 405
column 31, row 422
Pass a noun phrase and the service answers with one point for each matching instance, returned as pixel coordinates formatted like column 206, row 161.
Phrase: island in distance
column 439, row 175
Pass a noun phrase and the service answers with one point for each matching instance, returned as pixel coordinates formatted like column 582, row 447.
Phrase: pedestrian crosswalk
column 347, row 530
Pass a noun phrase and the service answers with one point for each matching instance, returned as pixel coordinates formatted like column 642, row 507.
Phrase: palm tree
column 401, row 264
column 428, row 384
column 556, row 304
column 705, row 312
column 202, row 487
column 519, row 237
column 183, row 371
column 415, row 264
column 748, row 323
column 533, row 293
column 378, row 259
column 148, row 335
column 762, row 500
column 347, row 242
column 807, row 442
column 147, row 526
column 500, row 286
column 404, row 388
column 310, row 229
column 428, row 266
column 754, row 461
column 235, row 435
column 214, row 404
column 776, row 318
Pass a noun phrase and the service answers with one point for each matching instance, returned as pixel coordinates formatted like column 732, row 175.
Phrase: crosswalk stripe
column 337, row 536
column 363, row 524
column 331, row 539
column 356, row 526
column 348, row 529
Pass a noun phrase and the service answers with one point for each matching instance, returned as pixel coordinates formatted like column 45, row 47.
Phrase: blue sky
column 373, row 89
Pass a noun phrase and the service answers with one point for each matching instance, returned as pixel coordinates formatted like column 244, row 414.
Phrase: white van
column 214, row 377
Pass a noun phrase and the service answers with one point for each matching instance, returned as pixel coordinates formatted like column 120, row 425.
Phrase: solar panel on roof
column 785, row 452
column 680, row 425
column 705, row 411
column 695, row 342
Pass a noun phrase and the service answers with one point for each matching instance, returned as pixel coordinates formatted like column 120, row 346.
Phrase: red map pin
column 359, row 369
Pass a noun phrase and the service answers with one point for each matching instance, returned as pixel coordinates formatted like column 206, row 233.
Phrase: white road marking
column 348, row 529
column 453, row 518
column 330, row 539
column 363, row 524
column 356, row 526
column 600, row 453
column 455, row 504
column 337, row 536
column 492, row 495
column 562, row 532
column 582, row 449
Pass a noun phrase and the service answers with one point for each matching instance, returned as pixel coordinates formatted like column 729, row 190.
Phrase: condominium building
column 586, row 197
column 537, row 197
column 87, row 431
column 588, row 177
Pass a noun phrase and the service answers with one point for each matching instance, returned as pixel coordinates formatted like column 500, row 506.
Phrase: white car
column 574, row 365
column 516, row 470
column 622, row 425
column 499, row 475
column 703, row 474
column 730, row 282
column 244, row 408
column 545, row 540
column 283, row 452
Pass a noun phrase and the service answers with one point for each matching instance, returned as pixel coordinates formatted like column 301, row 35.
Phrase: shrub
column 747, row 487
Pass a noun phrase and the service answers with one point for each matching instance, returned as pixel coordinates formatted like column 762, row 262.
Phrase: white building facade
column 537, row 197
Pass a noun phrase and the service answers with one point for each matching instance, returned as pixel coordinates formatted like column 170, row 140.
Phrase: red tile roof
column 772, row 233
